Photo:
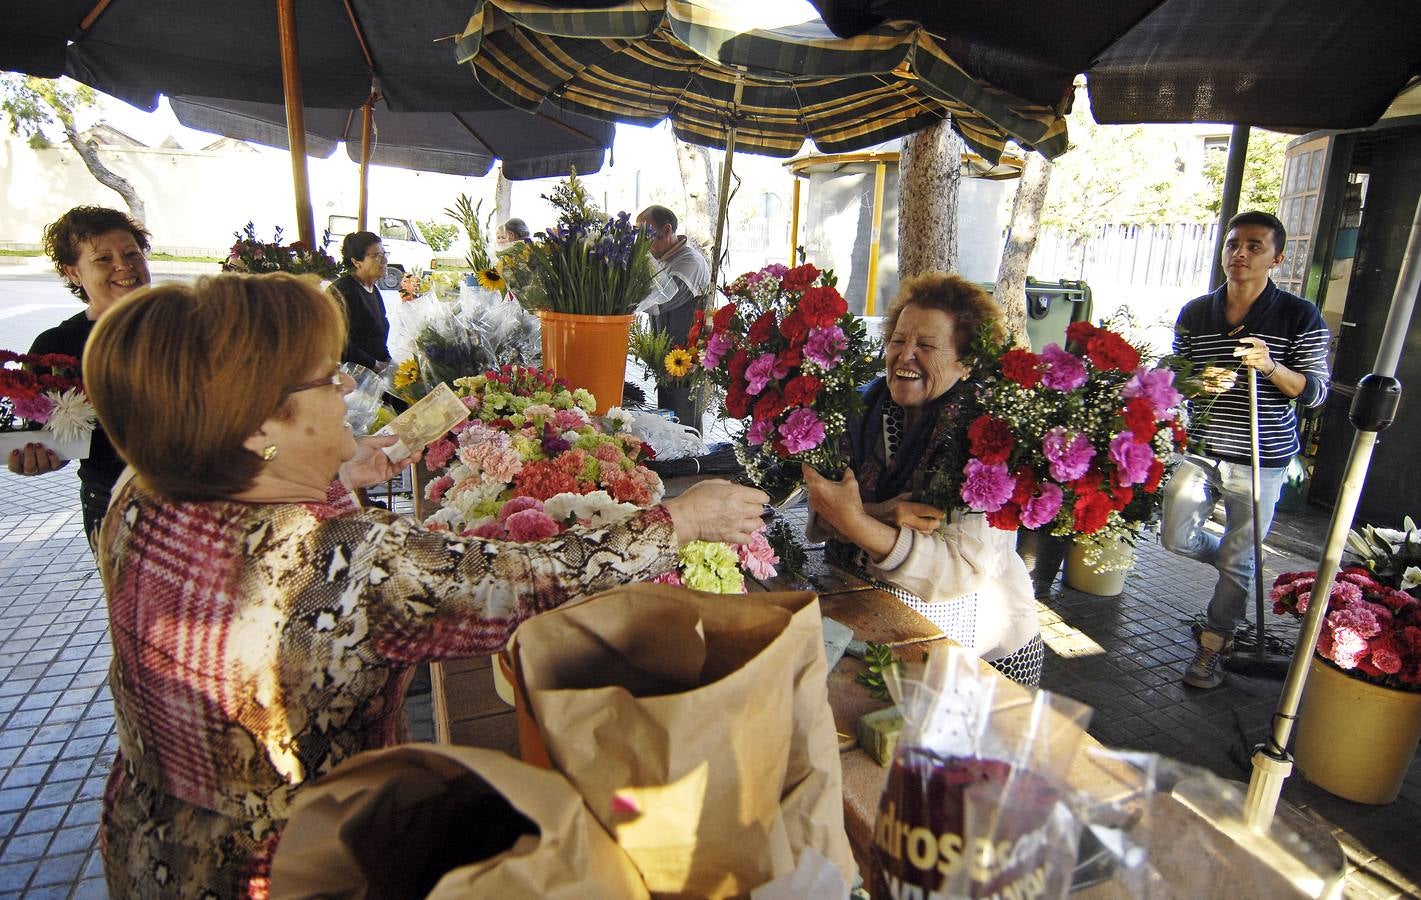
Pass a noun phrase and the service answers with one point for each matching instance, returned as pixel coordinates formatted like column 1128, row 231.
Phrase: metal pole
column 723, row 205
column 295, row 119
column 1228, row 203
column 367, row 128
column 879, row 175
column 1272, row 764
column 1260, row 651
column 794, row 225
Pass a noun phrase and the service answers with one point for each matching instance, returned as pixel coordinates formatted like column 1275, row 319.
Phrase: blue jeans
column 1189, row 499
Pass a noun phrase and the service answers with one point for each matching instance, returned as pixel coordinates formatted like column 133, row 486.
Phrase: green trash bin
column 1051, row 306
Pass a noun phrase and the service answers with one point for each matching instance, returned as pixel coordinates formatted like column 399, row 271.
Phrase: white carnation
column 598, row 507
column 73, row 416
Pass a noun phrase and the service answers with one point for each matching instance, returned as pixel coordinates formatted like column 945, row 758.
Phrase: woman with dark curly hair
column 102, row 256
column 909, row 445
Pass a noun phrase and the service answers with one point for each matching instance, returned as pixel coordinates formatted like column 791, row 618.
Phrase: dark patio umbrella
column 1290, row 65
column 347, row 48
column 453, row 143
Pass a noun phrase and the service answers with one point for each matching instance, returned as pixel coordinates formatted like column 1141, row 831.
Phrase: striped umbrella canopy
column 730, row 74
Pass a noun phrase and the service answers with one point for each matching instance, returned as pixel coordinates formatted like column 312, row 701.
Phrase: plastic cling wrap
column 976, row 800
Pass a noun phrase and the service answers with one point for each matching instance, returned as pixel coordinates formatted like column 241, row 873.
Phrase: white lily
column 1410, row 578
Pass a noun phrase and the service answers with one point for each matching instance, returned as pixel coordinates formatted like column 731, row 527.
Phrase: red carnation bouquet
column 1072, row 440
column 1371, row 630
column 790, row 358
column 42, row 399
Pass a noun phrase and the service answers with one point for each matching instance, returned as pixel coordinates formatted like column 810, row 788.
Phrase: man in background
column 684, row 264
column 1249, row 321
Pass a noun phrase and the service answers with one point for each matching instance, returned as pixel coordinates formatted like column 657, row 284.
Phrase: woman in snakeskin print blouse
column 264, row 626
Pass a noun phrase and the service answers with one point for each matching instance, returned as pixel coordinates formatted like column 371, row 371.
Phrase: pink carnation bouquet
column 1073, row 439
column 790, row 358
column 1371, row 630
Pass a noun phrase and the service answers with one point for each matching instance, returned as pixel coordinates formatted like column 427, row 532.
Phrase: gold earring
column 269, row 452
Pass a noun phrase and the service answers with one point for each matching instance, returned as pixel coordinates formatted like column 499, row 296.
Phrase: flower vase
column 1043, row 553
column 1356, row 739
column 589, row 352
column 682, row 403
column 77, row 448
column 1103, row 577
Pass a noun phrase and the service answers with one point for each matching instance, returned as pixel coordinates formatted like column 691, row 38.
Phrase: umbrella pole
column 367, row 126
column 1372, row 410
column 1260, row 662
column 295, row 119
column 723, row 197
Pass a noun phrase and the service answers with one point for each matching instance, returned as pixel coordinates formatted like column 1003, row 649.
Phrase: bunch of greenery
column 466, row 212
column 589, row 264
column 439, row 235
column 794, row 561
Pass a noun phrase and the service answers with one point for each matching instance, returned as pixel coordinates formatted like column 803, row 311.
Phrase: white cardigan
column 965, row 557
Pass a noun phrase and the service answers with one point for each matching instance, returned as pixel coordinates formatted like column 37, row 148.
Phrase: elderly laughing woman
column 264, row 627
column 951, row 566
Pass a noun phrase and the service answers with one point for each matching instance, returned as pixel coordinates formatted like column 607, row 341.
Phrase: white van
column 405, row 248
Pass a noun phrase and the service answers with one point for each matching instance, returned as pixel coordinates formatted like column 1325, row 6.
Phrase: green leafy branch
column 878, row 658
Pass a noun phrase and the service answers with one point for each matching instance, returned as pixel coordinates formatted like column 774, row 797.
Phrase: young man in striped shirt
column 1250, row 322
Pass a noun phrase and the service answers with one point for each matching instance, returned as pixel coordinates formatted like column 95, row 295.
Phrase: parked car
column 405, row 248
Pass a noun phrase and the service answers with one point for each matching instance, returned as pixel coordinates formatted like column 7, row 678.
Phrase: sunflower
column 406, row 373
column 678, row 362
column 492, row 279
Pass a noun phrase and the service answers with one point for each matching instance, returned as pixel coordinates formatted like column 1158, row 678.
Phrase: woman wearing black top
column 102, row 256
column 364, row 258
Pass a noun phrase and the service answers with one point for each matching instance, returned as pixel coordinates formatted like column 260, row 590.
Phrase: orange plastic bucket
column 589, row 351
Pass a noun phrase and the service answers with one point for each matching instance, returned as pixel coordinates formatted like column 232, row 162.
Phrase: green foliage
column 793, row 566
column 35, row 104
column 1138, row 174
column 440, row 236
column 466, row 213
column 879, row 659
column 1262, row 174
column 649, row 349
column 573, row 203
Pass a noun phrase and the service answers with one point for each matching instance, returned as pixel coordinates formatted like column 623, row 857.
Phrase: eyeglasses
column 337, row 380
column 380, row 255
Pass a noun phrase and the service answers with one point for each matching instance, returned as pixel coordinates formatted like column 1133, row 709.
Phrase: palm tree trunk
column 929, row 175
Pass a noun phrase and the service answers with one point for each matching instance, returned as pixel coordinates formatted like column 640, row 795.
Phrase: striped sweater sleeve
column 1307, row 353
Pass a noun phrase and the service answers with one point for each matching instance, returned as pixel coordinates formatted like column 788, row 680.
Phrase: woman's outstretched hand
column 370, row 466
column 836, row 502
column 716, row 510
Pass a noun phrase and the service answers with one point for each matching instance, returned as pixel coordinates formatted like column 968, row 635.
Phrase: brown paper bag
column 697, row 728
column 446, row 822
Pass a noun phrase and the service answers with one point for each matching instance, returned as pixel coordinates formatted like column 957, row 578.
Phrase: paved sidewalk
column 1120, row 654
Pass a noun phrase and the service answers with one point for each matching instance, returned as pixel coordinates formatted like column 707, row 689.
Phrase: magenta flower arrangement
column 1071, row 439
column 1371, row 631
column 790, row 359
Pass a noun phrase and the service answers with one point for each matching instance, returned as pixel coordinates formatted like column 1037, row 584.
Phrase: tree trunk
column 1016, row 258
column 106, row 176
column 698, row 181
column 929, row 175
column 502, row 199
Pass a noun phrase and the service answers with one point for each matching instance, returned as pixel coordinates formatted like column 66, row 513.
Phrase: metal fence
column 1174, row 255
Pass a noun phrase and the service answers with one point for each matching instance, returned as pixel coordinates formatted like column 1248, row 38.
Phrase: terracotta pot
column 589, row 351
column 1356, row 739
column 1115, row 559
